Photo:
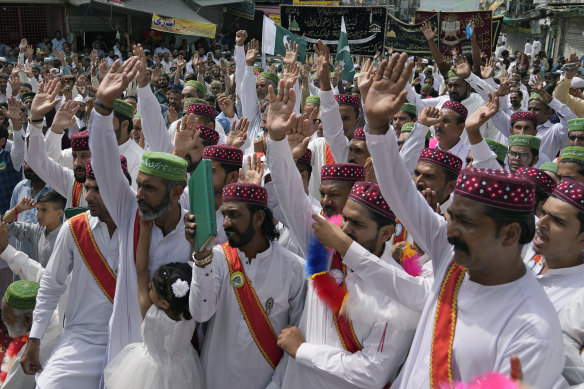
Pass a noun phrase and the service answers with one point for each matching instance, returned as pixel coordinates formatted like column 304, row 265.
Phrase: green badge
column 2, row 165
column 237, row 279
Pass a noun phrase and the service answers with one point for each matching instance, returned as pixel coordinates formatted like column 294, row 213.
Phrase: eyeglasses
column 523, row 157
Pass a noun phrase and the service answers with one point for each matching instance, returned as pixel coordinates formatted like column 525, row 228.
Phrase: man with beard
column 476, row 256
column 69, row 183
column 123, row 124
column 161, row 181
column 160, row 93
column 87, row 249
column 26, row 99
column 242, row 331
column 17, row 308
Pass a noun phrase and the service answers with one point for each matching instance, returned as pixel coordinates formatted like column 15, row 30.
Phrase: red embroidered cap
column 347, row 100
column 246, row 193
column 350, row 172
column 571, row 192
column 306, row 158
column 89, row 170
column 201, row 109
column 441, row 158
column 517, row 116
column 538, row 177
column 80, row 141
column 359, row 134
column 496, row 188
column 456, row 107
column 208, row 134
column 369, row 195
column 224, row 154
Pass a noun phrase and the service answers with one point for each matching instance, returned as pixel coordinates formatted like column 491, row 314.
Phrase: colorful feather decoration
column 316, row 258
column 409, row 261
column 328, row 291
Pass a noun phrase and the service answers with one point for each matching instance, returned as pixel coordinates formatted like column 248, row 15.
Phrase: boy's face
column 48, row 214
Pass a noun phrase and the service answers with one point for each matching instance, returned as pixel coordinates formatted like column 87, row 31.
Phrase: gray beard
column 17, row 330
column 155, row 214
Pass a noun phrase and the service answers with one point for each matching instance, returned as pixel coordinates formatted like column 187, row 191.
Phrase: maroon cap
column 456, row 107
column 517, row 116
column 369, row 195
column 347, row 100
column 201, row 109
column 350, row 172
column 208, row 134
column 246, row 193
column 496, row 188
column 442, row 158
column 538, row 177
column 571, row 192
column 80, row 141
column 224, row 154
column 89, row 170
column 359, row 134
column 306, row 158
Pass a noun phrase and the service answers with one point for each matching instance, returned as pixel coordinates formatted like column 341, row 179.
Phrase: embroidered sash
column 444, row 327
column 400, row 234
column 93, row 258
column 253, row 312
column 328, row 155
column 76, row 194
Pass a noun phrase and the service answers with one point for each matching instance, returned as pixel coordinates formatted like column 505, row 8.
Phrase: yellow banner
column 496, row 4
column 275, row 18
column 183, row 26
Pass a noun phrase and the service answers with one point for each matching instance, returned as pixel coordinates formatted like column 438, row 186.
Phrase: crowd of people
column 419, row 226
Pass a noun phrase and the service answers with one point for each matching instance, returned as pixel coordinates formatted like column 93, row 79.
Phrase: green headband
column 549, row 167
column 258, row 69
column 162, row 165
column 428, row 69
column 499, row 149
column 408, row 127
column 573, row 124
column 533, row 142
column 537, row 96
column 28, row 96
column 409, row 108
column 22, row 294
column 123, row 108
column 201, row 87
column 193, row 100
column 313, row 100
column 574, row 154
column 426, row 86
column 451, row 74
column 270, row 77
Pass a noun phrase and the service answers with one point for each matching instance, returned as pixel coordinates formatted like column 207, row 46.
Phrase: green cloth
column 123, row 108
column 258, row 69
column 201, row 87
column 28, row 96
column 313, row 100
column 533, row 142
column 426, row 86
column 166, row 166
column 22, row 294
column 499, row 149
column 573, row 153
column 193, row 100
column 573, row 124
column 428, row 69
column 410, row 108
column 549, row 167
column 270, row 77
column 408, row 127
column 537, row 96
column 137, row 116
column 451, row 74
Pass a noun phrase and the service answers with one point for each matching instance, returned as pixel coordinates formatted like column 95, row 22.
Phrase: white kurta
column 79, row 355
column 493, row 323
column 460, row 150
column 120, row 201
column 572, row 322
column 56, row 176
column 230, row 357
column 562, row 284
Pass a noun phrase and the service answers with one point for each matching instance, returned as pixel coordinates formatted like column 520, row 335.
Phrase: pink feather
column 490, row 380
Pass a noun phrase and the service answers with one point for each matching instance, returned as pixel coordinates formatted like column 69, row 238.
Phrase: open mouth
column 539, row 239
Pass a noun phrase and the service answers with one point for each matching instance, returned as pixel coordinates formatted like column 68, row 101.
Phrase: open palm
column 44, row 100
column 280, row 118
column 117, row 80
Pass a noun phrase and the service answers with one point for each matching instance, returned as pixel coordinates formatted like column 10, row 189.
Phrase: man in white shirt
column 528, row 49
column 476, row 261
column 58, row 41
column 535, row 47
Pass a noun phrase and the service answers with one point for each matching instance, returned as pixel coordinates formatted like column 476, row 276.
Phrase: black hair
column 519, row 93
column 450, row 176
column 3, row 132
column 460, row 119
column 540, row 196
column 229, row 168
column 53, row 197
column 412, row 116
column 502, row 218
column 304, row 167
column 504, row 53
column 123, row 118
column 174, row 90
column 269, row 229
column 581, row 220
column 165, row 277
column 380, row 220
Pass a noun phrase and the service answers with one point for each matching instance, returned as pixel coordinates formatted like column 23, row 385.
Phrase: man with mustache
column 476, row 257
column 161, row 181
column 87, row 249
column 242, row 331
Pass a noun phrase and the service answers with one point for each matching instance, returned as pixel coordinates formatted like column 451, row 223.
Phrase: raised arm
column 64, row 118
column 483, row 157
column 20, row 264
column 412, row 147
column 142, row 251
column 14, row 114
column 430, row 35
column 250, row 104
column 240, row 37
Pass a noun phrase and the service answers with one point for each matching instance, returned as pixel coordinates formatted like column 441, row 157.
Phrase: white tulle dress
column 164, row 360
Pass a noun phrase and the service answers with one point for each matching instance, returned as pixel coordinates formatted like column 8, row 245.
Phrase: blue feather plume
column 316, row 258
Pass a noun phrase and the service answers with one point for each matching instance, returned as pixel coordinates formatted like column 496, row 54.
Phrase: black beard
column 244, row 238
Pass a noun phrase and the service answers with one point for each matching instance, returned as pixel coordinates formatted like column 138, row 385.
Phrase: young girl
column 165, row 359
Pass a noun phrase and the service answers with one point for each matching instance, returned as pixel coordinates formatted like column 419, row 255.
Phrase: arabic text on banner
column 407, row 38
column 183, row 26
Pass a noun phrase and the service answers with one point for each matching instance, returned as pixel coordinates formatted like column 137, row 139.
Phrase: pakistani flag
column 344, row 54
column 275, row 37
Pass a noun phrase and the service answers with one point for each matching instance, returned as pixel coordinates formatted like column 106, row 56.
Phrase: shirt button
column 204, row 300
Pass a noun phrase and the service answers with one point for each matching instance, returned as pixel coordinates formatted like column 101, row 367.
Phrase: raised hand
column 240, row 37
column 505, row 86
column 416, row 81
column 13, row 110
column 489, row 68
column 23, row 45
column 238, row 134
column 116, row 81
column 15, row 82
column 253, row 50
column 299, row 135
column 429, row 116
column 255, row 170
column 180, row 63
column 462, row 68
column 387, row 93
column 331, row 235
column 479, row 117
column 305, row 72
column 171, row 115
column 226, row 105
column 366, row 78
column 291, row 72
column 323, row 69
column 280, row 115
column 44, row 100
column 102, row 69
column 142, row 75
column 428, row 32
column 65, row 117
column 571, row 66
column 291, row 53
column 25, row 204
column 259, row 145
column 186, row 137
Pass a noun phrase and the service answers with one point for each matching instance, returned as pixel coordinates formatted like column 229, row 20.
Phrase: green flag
column 274, row 38
column 344, row 54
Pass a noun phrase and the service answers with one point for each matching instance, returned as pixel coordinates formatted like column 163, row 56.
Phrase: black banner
column 407, row 38
column 365, row 26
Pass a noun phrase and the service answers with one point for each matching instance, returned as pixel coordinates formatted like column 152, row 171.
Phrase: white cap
column 79, row 98
column 577, row 82
column 425, row 61
column 2, row 59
